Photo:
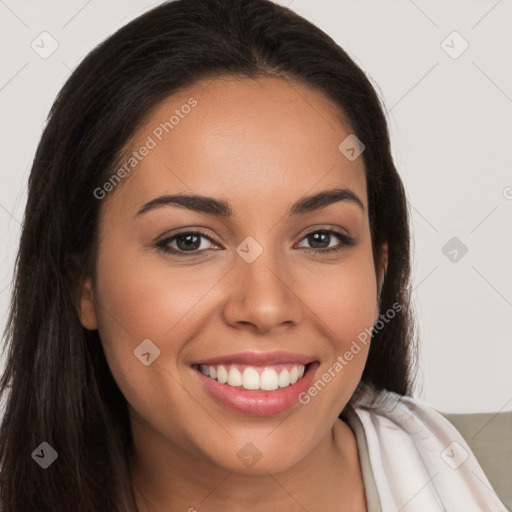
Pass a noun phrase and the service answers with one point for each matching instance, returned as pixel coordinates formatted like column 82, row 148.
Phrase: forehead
column 228, row 137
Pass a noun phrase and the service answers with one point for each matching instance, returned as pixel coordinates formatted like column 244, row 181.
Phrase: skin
column 260, row 145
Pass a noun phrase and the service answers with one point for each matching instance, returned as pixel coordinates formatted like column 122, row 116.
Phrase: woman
column 211, row 307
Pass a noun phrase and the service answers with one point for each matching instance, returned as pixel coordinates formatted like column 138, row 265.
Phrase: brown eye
column 320, row 241
column 192, row 242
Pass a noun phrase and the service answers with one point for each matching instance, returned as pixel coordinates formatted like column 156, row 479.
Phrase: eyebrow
column 222, row 208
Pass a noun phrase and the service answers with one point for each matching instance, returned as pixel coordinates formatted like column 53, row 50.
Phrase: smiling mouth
column 257, row 378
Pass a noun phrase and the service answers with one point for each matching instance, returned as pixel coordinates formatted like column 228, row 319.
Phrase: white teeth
column 251, row 379
column 284, row 378
column 234, row 377
column 294, row 375
column 267, row 379
column 222, row 374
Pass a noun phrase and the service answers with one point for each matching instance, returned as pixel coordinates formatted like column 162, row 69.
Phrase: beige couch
column 489, row 435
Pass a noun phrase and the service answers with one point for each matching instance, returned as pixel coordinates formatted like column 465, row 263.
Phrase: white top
column 419, row 461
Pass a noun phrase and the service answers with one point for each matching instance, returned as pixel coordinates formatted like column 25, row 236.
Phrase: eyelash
column 163, row 245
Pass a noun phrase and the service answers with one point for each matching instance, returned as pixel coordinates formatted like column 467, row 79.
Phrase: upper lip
column 259, row 358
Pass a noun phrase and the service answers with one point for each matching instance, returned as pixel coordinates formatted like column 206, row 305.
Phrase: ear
column 87, row 311
column 382, row 266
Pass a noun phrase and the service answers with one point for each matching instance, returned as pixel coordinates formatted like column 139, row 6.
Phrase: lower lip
column 257, row 402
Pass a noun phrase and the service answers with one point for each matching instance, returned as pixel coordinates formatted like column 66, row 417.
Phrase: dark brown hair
column 57, row 385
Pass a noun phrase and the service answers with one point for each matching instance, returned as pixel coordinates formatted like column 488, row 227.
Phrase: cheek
column 343, row 302
column 136, row 300
column 151, row 302
column 344, row 298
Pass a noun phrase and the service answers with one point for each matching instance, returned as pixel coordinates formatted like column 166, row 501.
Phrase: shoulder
column 413, row 446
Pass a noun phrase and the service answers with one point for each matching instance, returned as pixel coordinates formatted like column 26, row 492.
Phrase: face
column 258, row 296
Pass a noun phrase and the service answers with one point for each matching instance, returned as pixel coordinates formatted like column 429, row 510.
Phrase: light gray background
column 451, row 127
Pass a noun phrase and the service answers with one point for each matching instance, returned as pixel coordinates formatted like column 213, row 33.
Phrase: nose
column 263, row 295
